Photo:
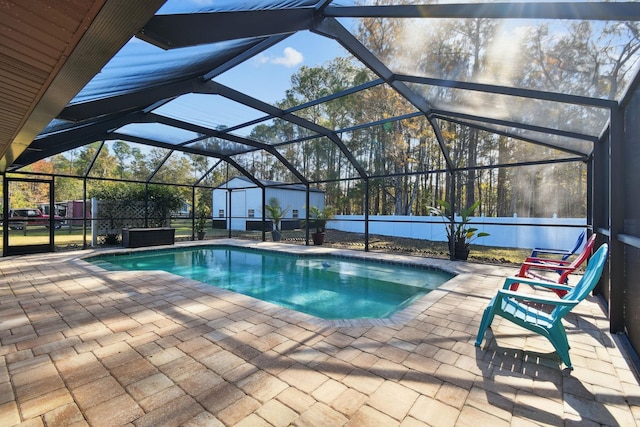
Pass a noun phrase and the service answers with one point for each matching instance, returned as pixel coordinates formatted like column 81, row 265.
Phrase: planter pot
column 318, row 238
column 201, row 235
column 276, row 235
column 461, row 253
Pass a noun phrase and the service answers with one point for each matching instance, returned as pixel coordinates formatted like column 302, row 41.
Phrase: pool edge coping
column 462, row 271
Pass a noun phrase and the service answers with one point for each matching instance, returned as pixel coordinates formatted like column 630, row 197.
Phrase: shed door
column 238, row 210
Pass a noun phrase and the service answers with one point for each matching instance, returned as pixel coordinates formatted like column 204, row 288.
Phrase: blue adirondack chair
column 507, row 304
column 565, row 254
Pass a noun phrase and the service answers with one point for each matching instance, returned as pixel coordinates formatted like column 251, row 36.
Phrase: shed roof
column 269, row 184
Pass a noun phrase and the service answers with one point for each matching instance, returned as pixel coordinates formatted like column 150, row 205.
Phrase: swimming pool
column 327, row 287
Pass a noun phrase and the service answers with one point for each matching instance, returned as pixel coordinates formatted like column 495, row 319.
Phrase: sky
column 267, row 75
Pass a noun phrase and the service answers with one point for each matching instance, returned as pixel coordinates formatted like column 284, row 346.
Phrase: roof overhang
column 48, row 54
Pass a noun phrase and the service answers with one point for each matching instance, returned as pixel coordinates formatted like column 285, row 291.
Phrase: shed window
column 220, row 213
column 252, row 213
column 295, row 213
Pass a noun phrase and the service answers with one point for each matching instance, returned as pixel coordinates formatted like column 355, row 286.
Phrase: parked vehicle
column 18, row 218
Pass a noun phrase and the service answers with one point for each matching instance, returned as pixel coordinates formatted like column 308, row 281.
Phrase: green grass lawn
column 73, row 236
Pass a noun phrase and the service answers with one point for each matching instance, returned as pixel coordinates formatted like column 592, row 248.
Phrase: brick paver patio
column 83, row 346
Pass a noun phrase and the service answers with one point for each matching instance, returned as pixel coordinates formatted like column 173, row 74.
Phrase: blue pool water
column 325, row 287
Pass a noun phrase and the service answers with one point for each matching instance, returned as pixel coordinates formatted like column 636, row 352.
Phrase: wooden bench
column 139, row 237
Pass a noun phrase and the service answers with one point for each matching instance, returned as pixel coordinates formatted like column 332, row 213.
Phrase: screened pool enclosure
column 528, row 108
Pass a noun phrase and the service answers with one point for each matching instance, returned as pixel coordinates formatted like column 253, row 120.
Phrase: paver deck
column 83, row 346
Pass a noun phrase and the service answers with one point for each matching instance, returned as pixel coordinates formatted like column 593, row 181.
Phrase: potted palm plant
column 319, row 218
column 201, row 221
column 275, row 213
column 459, row 234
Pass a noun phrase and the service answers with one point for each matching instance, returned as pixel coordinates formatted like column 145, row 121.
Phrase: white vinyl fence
column 511, row 232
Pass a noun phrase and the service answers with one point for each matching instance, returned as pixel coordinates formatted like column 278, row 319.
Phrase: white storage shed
column 238, row 203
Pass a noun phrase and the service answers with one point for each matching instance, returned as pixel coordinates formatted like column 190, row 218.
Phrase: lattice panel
column 112, row 216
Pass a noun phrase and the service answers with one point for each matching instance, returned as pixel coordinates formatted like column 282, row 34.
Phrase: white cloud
column 289, row 58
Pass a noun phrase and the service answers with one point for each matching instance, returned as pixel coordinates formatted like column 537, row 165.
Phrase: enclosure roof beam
column 350, row 91
column 511, row 91
column 436, row 129
column 630, row 91
column 159, row 165
column 233, row 138
column 160, row 144
column 443, row 114
column 333, row 29
column 380, row 122
column 192, row 29
column 94, row 159
column 68, row 139
column 619, row 11
column 468, row 168
column 522, row 164
column 156, row 118
column 243, row 171
column 195, row 184
column 172, row 147
column 318, row 101
column 512, row 135
column 244, row 56
column 149, row 98
column 126, row 102
column 276, row 112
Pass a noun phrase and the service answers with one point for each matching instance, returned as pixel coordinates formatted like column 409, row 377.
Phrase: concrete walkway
column 83, row 346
